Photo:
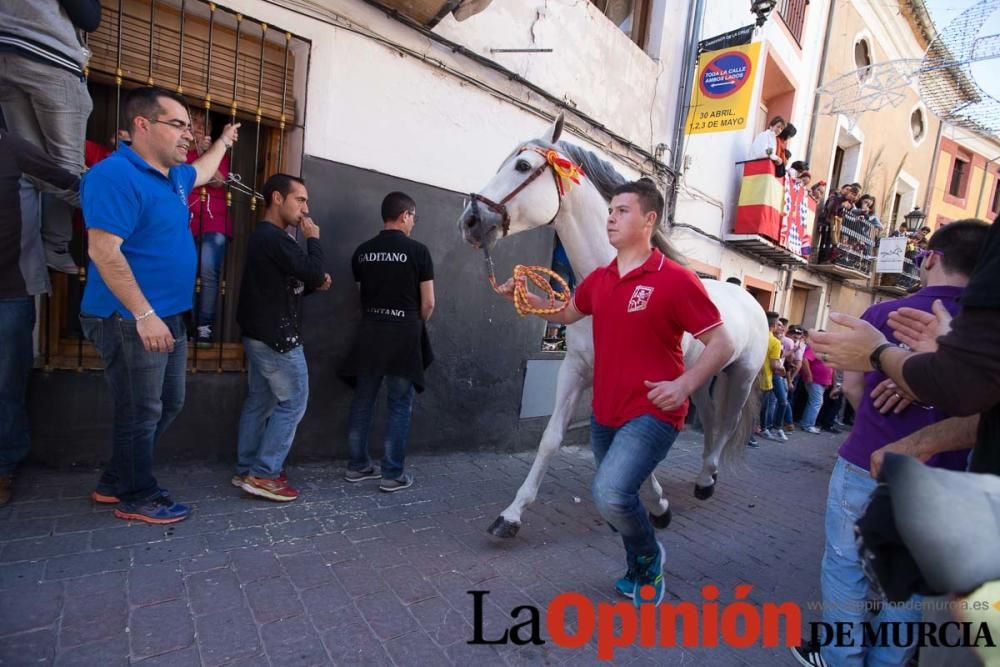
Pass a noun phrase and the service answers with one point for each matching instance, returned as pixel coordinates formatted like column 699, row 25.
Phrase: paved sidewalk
column 347, row 575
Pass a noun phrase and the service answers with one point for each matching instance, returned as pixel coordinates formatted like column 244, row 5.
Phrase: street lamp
column 762, row 8
column 914, row 219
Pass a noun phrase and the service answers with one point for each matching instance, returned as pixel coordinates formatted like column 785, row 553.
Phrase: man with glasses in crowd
column 883, row 417
column 140, row 283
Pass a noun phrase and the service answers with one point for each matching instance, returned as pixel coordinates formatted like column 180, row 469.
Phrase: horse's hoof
column 703, row 492
column 503, row 528
column 662, row 521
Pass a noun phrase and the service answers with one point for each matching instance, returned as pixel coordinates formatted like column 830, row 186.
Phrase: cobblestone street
column 349, row 576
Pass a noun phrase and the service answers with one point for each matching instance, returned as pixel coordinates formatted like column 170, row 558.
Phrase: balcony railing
column 793, row 13
column 901, row 283
column 847, row 246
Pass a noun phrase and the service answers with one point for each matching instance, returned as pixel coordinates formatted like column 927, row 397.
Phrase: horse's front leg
column 573, row 378
column 656, row 502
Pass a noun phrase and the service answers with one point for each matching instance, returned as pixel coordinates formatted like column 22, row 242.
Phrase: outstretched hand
column 506, row 290
column 918, row 329
column 888, row 397
column 848, row 350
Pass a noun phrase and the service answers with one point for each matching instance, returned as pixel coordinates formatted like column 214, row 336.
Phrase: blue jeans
column 147, row 389
column 625, row 457
column 17, row 355
column 767, row 404
column 213, row 253
column 276, row 400
column 844, row 586
column 813, row 406
column 397, row 427
column 782, row 408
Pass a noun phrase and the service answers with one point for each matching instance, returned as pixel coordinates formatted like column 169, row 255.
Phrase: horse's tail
column 734, row 449
column 661, row 243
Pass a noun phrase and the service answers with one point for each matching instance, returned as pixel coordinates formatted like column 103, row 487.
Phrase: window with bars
column 230, row 67
column 793, row 13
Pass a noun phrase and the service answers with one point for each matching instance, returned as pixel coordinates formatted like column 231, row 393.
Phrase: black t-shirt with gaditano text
column 390, row 268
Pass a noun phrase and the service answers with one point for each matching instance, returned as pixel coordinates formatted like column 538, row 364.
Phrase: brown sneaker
column 789, row 428
column 6, row 488
column 272, row 489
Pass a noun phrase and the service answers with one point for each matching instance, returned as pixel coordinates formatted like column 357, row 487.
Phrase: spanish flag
column 762, row 200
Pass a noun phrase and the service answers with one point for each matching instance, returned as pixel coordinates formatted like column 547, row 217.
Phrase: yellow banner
column 723, row 86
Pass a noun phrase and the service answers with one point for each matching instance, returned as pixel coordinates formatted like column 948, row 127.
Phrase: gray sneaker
column 362, row 475
column 404, row 481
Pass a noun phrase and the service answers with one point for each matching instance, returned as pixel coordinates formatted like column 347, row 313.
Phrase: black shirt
column 390, row 268
column 277, row 275
column 20, row 240
column 392, row 339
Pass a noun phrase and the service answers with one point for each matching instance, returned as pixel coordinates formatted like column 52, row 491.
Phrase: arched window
column 918, row 127
column 862, row 58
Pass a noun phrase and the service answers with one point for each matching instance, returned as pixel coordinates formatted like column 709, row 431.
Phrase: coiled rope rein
column 558, row 299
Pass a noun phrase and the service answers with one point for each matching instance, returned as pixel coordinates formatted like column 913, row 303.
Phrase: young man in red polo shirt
column 642, row 303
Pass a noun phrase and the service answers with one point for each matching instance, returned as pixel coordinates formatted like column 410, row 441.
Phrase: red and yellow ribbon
column 567, row 170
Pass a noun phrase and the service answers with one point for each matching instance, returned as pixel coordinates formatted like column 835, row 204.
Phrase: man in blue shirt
column 140, row 283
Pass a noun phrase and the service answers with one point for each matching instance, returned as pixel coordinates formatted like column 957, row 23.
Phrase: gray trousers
column 49, row 107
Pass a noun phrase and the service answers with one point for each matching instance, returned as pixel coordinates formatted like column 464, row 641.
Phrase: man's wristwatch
column 875, row 357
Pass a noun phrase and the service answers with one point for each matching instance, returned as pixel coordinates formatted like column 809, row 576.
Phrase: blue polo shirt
column 123, row 195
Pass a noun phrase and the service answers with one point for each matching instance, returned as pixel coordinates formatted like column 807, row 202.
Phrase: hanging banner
column 891, row 252
column 737, row 37
column 720, row 101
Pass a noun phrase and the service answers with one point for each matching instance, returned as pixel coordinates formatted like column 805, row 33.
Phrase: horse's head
column 521, row 196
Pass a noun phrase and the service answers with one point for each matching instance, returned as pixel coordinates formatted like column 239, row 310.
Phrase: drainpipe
column 933, row 174
column 695, row 19
column 820, row 77
column 982, row 186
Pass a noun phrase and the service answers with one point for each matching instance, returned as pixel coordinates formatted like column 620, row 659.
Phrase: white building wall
column 370, row 106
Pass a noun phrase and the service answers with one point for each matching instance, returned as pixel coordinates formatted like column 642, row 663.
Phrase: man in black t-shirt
column 396, row 277
column 278, row 274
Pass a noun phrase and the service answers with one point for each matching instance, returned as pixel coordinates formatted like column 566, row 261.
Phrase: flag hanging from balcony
column 800, row 210
column 762, row 200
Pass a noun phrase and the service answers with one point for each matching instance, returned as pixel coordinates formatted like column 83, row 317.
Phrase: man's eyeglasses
column 921, row 255
column 413, row 214
column 176, row 124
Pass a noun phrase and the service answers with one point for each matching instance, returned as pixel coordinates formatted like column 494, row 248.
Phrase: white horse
column 521, row 197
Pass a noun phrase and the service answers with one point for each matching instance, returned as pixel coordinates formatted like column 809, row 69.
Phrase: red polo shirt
column 639, row 321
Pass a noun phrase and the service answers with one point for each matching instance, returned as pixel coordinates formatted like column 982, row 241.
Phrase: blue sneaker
column 158, row 510
column 626, row 585
column 649, row 586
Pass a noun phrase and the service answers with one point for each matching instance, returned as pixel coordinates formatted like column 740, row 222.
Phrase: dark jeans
column 213, row 254
column 831, row 409
column 147, row 389
column 625, row 457
column 397, row 427
column 17, row 323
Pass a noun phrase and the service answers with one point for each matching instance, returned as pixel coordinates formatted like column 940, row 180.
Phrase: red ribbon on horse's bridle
column 561, row 168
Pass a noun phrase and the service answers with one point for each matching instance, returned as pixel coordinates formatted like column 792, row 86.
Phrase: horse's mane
column 606, row 178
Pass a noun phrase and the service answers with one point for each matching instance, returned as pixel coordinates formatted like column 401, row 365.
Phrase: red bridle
column 500, row 208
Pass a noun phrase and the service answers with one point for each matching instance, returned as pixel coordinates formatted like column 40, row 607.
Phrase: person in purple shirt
column 883, row 416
